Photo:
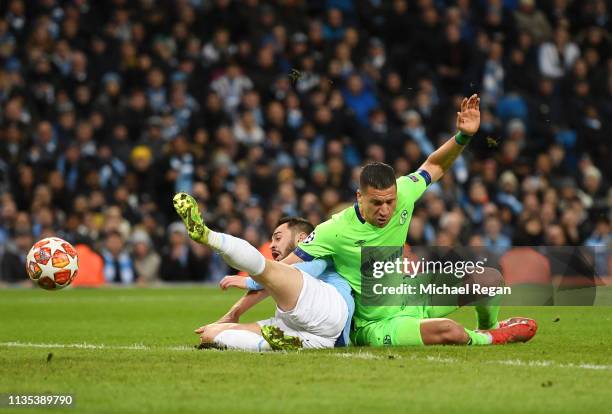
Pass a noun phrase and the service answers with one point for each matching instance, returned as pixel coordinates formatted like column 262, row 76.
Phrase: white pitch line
column 354, row 355
column 358, row 355
column 100, row 299
column 511, row 362
column 178, row 348
column 518, row 362
column 84, row 345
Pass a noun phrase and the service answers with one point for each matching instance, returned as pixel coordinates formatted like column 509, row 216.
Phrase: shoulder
column 415, row 181
column 416, row 177
column 327, row 229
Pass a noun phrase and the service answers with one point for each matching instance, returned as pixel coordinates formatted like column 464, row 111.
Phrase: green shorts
column 400, row 330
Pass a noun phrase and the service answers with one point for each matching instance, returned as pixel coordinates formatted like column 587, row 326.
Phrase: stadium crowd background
column 266, row 109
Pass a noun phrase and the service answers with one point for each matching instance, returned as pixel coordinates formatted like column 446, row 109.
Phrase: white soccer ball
column 52, row 263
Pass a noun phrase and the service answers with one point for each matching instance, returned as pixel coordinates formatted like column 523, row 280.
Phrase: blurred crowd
column 263, row 109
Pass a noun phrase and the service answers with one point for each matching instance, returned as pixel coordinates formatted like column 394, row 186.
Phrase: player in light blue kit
column 316, row 314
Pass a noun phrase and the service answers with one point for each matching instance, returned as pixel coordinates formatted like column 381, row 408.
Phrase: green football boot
column 278, row 340
column 187, row 208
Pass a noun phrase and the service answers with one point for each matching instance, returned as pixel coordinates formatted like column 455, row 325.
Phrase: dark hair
column 377, row 175
column 297, row 223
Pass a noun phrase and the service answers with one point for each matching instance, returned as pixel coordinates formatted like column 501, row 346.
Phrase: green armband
column 462, row 139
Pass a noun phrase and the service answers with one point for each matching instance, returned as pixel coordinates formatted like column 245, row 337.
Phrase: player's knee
column 490, row 277
column 494, row 278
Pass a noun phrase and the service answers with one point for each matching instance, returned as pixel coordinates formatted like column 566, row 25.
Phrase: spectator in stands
column 231, row 86
column 558, row 56
column 179, row 263
column 118, row 266
column 146, row 261
column 493, row 238
column 532, row 21
column 12, row 257
column 359, row 98
column 601, row 241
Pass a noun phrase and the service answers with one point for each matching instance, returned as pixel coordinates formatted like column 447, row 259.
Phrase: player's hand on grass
column 201, row 329
column 468, row 119
column 233, row 281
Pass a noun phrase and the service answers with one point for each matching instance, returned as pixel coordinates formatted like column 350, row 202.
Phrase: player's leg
column 282, row 336
column 240, row 336
column 487, row 308
column 488, row 313
column 444, row 331
column 410, row 331
column 208, row 332
column 279, row 340
column 436, row 331
column 283, row 282
column 319, row 316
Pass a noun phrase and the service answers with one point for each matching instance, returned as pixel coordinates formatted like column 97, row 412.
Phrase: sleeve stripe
column 425, row 176
column 303, row 255
column 253, row 285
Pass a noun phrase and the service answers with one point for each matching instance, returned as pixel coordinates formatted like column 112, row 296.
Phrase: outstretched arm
column 314, row 268
column 468, row 122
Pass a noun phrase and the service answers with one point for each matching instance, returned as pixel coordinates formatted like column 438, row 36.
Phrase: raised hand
column 468, row 120
column 233, row 281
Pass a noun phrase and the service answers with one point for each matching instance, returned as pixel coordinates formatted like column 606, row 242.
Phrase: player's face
column 284, row 241
column 377, row 206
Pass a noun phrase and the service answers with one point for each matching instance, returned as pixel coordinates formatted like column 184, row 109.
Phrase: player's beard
column 291, row 247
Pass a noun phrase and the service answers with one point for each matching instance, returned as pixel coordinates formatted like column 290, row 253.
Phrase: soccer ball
column 52, row 263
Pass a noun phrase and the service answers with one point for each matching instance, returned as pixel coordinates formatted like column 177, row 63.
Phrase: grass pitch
column 130, row 350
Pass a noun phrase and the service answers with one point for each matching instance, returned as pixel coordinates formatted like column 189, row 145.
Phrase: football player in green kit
column 381, row 217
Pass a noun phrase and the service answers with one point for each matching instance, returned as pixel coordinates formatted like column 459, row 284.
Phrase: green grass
column 566, row 368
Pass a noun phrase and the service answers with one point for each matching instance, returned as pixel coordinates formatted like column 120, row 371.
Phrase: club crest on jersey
column 310, row 238
column 403, row 216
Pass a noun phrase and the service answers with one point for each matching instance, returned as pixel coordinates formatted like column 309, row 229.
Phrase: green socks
column 488, row 312
column 478, row 338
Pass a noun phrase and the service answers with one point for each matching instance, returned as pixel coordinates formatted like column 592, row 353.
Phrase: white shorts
column 318, row 318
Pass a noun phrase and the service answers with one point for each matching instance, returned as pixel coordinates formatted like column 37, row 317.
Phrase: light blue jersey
column 324, row 271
